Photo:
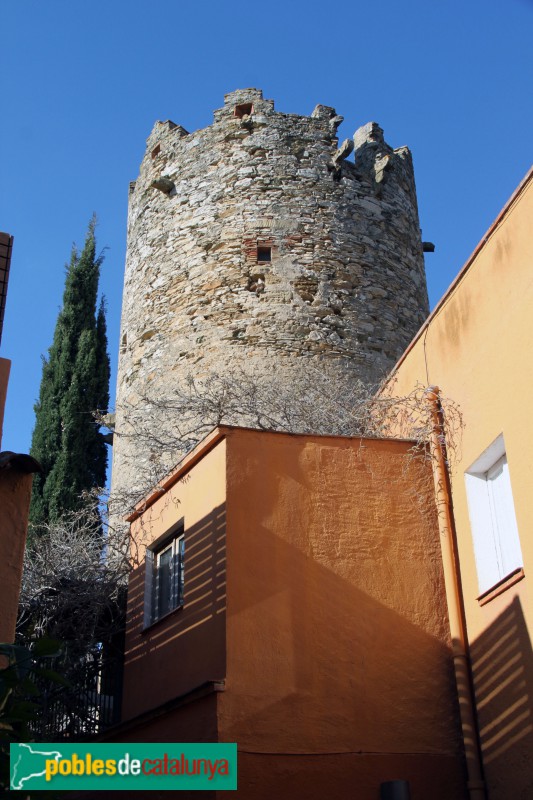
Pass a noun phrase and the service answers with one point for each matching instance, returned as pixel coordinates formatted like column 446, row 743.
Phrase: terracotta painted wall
column 477, row 347
column 337, row 634
column 194, row 722
column 183, row 650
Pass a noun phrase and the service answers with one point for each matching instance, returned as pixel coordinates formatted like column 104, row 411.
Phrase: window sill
column 152, row 625
column 501, row 586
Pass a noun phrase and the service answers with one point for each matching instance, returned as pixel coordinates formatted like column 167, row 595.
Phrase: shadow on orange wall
column 330, row 665
column 334, row 640
column 502, row 662
column 330, row 692
column 187, row 647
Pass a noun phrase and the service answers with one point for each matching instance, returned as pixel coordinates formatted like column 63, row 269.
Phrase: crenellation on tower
column 258, row 239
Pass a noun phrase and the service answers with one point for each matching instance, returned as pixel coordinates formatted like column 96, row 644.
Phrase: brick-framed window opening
column 264, row 254
column 243, row 110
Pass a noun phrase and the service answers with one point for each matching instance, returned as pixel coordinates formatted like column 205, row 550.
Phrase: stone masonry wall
column 256, row 240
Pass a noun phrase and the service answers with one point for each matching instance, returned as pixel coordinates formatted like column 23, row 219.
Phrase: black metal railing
column 85, row 705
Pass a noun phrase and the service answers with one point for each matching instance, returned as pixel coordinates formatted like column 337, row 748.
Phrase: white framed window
column 164, row 576
column 492, row 517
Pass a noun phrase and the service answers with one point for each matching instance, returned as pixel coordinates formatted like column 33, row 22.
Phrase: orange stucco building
column 476, row 346
column 309, row 624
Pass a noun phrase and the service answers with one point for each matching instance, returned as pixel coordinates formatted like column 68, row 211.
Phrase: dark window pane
column 164, row 579
column 180, row 573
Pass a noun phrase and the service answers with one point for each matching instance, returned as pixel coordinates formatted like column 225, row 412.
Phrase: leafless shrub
column 73, row 579
column 159, row 429
column 409, row 416
column 75, row 570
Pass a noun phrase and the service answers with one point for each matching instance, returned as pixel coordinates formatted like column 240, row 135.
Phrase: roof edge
column 212, row 439
column 19, row 461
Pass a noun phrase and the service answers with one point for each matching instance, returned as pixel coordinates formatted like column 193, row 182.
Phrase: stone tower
column 256, row 239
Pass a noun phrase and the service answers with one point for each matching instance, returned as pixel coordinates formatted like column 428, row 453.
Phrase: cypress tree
column 75, row 382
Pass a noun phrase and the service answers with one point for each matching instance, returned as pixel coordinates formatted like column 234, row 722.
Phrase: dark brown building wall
column 194, row 721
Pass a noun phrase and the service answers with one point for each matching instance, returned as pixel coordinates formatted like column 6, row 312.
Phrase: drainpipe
column 452, row 581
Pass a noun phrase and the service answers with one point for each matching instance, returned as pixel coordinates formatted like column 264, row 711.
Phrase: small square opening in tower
column 156, row 150
column 244, row 109
column 264, row 254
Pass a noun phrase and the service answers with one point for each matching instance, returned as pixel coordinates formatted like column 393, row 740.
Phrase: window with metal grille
column 164, row 577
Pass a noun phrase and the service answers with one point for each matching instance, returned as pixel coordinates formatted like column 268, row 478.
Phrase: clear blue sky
column 83, row 83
